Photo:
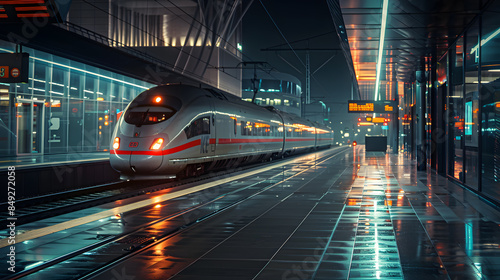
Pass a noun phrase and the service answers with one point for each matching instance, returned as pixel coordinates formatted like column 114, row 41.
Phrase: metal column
column 420, row 121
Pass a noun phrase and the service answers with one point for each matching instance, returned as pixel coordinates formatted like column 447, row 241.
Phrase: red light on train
column 116, row 143
column 158, row 99
column 156, row 144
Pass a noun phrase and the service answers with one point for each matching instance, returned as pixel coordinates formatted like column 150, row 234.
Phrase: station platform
column 38, row 175
column 36, row 161
column 341, row 213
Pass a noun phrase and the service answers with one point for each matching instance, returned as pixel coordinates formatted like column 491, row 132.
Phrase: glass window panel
column 89, row 91
column 104, row 91
column 52, row 122
column 471, row 109
column 75, row 85
column 270, row 85
column 23, row 114
column 90, row 126
column 6, row 133
column 39, row 84
column 75, row 135
column 455, row 113
column 104, row 131
column 58, row 84
column 490, row 101
column 58, row 123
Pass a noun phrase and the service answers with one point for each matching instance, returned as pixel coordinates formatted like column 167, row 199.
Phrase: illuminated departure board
column 370, row 106
column 361, row 107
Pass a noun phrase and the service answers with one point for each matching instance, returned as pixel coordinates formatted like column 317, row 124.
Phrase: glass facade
column 280, row 93
column 489, row 101
column 472, row 111
column 462, row 108
column 66, row 107
column 267, row 85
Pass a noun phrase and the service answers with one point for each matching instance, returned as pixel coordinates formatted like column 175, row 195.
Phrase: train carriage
column 174, row 130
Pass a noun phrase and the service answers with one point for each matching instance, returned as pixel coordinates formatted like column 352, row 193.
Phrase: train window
column 198, row 127
column 246, row 128
column 144, row 115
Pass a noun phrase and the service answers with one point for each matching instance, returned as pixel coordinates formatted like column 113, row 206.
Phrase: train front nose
column 144, row 164
column 135, row 156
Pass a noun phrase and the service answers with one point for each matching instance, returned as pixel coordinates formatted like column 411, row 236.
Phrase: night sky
column 299, row 20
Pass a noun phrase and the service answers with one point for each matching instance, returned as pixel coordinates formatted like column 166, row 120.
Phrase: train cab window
column 198, row 127
column 145, row 115
column 217, row 94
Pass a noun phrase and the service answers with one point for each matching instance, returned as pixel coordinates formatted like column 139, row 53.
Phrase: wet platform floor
column 36, row 160
column 351, row 216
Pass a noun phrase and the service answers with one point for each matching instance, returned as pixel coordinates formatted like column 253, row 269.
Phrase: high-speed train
column 182, row 130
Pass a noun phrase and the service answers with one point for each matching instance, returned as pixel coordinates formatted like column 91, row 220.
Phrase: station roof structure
column 409, row 31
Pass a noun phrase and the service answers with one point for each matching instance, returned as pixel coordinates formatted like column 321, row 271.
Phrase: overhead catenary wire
column 282, row 35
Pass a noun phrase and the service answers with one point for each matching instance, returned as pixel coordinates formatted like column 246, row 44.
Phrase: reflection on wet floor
column 357, row 216
column 353, row 215
column 375, row 254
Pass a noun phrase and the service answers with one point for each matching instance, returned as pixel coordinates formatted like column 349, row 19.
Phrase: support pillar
column 420, row 119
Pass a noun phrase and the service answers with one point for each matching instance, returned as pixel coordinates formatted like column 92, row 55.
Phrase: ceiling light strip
column 381, row 46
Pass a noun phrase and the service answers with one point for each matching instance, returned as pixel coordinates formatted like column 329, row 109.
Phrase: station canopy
column 414, row 30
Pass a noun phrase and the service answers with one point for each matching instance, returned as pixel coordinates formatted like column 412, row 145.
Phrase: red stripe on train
column 160, row 153
column 198, row 142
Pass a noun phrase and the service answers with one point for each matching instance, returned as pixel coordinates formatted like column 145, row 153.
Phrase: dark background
column 304, row 23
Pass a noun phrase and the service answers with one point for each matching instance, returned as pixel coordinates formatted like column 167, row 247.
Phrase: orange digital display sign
column 371, row 106
column 361, row 107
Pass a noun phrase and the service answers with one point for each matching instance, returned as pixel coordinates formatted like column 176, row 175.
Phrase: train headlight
column 156, row 144
column 116, row 143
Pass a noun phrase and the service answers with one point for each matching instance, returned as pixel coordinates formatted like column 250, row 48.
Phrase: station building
column 280, row 90
column 89, row 59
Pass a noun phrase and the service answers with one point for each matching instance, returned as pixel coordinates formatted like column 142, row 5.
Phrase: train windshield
column 146, row 115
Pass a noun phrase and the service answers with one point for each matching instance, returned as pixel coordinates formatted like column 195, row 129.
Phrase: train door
column 213, row 126
column 30, row 126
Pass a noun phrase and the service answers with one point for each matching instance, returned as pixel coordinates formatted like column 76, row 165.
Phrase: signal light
column 359, row 119
column 385, row 124
column 354, row 143
column 156, row 144
column 158, row 99
column 116, row 143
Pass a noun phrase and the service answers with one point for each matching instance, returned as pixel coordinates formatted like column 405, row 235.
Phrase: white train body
column 179, row 129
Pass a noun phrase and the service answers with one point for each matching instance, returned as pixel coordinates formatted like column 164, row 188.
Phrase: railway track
column 50, row 205
column 133, row 242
